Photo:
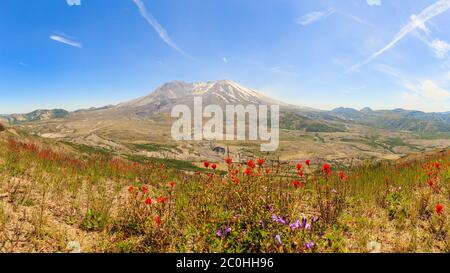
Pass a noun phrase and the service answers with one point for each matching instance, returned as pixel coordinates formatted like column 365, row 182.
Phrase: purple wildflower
column 303, row 221
column 309, row 245
column 334, row 191
column 282, row 220
column 274, row 217
column 295, row 225
column 227, row 230
column 219, row 233
column 308, row 227
column 278, row 238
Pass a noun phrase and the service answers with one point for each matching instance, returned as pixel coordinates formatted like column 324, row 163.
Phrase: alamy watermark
column 213, row 129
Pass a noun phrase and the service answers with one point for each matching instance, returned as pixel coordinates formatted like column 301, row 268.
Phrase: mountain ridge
column 223, row 92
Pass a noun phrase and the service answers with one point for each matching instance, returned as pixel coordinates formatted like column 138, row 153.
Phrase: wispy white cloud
column 439, row 47
column 374, row 2
column 314, row 16
column 429, row 89
column 415, row 89
column 354, row 18
column 416, row 21
column 225, row 60
column 65, row 40
column 73, row 2
column 154, row 23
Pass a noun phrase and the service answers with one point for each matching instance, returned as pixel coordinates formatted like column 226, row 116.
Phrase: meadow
column 57, row 199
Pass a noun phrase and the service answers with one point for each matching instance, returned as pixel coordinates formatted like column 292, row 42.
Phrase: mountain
column 221, row 93
column 38, row 115
column 158, row 104
column 397, row 119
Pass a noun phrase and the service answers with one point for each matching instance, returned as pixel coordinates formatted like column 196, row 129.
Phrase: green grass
column 86, row 149
column 169, row 163
column 154, row 147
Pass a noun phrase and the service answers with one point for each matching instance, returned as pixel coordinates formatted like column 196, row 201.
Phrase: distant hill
column 38, row 115
column 397, row 119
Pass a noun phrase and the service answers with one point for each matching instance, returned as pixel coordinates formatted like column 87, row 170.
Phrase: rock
column 219, row 150
column 374, row 247
column 74, row 247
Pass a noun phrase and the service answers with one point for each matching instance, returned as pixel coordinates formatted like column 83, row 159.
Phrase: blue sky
column 80, row 53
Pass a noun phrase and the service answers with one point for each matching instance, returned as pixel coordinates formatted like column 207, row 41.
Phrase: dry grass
column 51, row 195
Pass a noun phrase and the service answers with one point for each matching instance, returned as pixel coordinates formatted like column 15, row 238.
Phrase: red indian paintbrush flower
column 308, row 162
column 206, row 164
column 296, row 183
column 144, row 189
column 260, row 161
column 148, row 201
column 158, row 220
column 228, row 160
column 251, row 164
column 161, row 199
column 326, row 168
column 301, row 173
column 213, row 166
column 299, row 166
column 267, row 170
column 172, row 184
column 130, row 188
column 248, row 171
column 430, row 182
column 439, row 209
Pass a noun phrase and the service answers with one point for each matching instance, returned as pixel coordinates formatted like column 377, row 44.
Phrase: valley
column 142, row 127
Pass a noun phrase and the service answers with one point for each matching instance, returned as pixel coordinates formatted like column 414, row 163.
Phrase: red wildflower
column 308, row 162
column 296, row 183
column 260, row 161
column 158, row 220
column 301, row 173
column 299, row 166
column 326, row 168
column 342, row 175
column 213, row 166
column 144, row 189
column 161, row 200
column 251, row 164
column 236, row 180
column 267, row 170
column 130, row 189
column 228, row 160
column 430, row 182
column 206, row 164
column 148, row 201
column 172, row 184
column 439, row 209
column 248, row 171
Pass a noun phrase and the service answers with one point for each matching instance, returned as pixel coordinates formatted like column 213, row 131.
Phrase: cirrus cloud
column 374, row 2
column 66, row 41
column 73, row 2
